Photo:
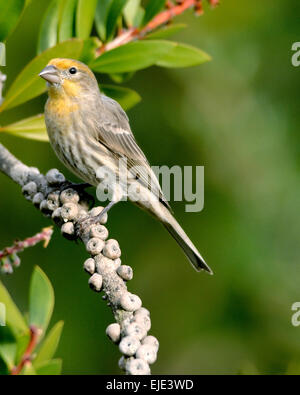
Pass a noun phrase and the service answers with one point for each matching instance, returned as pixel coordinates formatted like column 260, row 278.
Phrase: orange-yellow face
column 68, row 77
column 67, row 64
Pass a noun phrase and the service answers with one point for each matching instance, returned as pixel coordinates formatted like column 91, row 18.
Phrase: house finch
column 89, row 130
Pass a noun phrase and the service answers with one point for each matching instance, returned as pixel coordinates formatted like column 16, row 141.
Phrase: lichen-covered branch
column 69, row 209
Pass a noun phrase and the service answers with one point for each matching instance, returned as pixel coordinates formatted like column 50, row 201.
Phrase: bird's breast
column 70, row 136
column 59, row 112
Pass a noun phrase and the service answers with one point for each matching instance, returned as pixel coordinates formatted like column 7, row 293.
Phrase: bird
column 89, row 131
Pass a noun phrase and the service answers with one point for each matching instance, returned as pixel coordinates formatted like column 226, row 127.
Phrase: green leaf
column 8, row 346
column 84, row 18
column 153, row 7
column 115, row 10
column 122, row 77
column 89, row 49
column 3, row 368
column 14, row 318
column 41, row 300
column 139, row 16
column 10, row 12
column 166, row 31
column 50, row 368
column 32, row 128
column 28, row 370
column 49, row 345
column 130, row 12
column 183, row 55
column 28, row 84
column 66, row 24
column 126, row 97
column 101, row 17
column 132, row 56
column 48, row 31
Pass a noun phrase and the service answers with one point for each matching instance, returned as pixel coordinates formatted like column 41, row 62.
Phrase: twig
column 70, row 211
column 160, row 19
column 9, row 257
column 27, row 356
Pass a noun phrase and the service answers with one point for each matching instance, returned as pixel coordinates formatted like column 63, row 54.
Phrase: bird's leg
column 97, row 218
column 104, row 211
column 117, row 197
column 84, row 222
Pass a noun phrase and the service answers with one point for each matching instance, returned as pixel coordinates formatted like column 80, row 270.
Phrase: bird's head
column 68, row 76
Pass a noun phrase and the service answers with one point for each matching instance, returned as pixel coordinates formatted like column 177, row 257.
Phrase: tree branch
column 70, row 211
column 160, row 19
column 9, row 255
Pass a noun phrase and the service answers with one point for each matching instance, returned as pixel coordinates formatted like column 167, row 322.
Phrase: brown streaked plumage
column 88, row 130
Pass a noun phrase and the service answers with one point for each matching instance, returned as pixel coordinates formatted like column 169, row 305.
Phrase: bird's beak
column 50, row 74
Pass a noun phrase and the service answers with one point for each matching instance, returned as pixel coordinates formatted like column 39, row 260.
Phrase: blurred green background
column 237, row 116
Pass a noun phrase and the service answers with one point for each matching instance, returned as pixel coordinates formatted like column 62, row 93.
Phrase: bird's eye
column 73, row 70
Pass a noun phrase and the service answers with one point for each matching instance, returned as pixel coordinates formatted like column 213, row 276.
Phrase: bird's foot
column 98, row 215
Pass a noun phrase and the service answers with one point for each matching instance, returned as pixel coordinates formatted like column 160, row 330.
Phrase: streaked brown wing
column 114, row 132
column 122, row 144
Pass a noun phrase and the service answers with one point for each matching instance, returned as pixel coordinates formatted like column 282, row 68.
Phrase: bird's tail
column 185, row 243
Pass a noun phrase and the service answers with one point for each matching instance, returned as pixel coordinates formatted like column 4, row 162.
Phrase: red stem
column 19, row 246
column 167, row 15
column 27, row 356
column 160, row 19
